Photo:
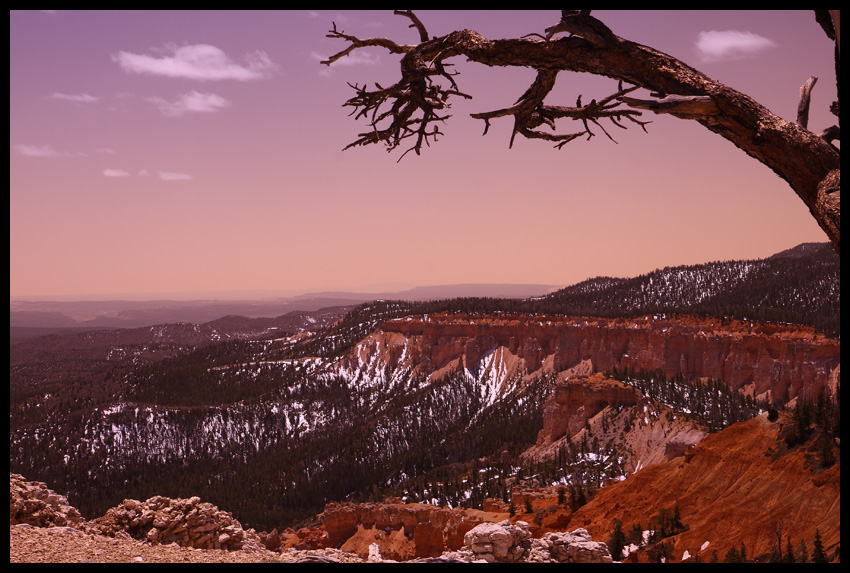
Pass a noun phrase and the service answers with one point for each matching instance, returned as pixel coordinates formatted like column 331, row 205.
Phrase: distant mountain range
column 28, row 318
column 799, row 285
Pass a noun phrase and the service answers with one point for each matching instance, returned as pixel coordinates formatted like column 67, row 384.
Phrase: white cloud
column 717, row 45
column 75, row 98
column 115, row 173
column 142, row 172
column 192, row 102
column 198, row 62
column 166, row 176
column 40, row 151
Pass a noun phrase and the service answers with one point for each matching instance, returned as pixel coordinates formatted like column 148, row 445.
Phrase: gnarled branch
column 416, row 105
column 530, row 112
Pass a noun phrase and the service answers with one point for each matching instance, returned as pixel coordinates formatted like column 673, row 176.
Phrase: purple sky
column 197, row 154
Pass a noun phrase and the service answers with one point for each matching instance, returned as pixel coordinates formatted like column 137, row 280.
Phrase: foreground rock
column 44, row 528
column 186, row 522
column 512, row 543
column 30, row 502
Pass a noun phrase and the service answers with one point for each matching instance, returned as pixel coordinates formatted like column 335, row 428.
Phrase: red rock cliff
column 781, row 360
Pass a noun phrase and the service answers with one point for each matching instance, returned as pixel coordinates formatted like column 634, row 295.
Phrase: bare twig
column 355, row 43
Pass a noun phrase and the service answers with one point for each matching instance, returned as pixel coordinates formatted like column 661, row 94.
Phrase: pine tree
column 789, row 552
column 818, row 554
column 617, row 541
column 732, row 556
column 825, row 453
column 562, row 495
column 802, row 552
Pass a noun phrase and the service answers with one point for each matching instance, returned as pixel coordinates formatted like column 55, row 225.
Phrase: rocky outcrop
column 645, row 431
column 507, row 542
column 575, row 547
column 31, row 502
column 401, row 531
column 575, row 401
column 502, row 542
column 767, row 359
column 186, row 522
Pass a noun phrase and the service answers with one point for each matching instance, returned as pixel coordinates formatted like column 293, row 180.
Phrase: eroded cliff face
column 767, row 360
column 736, row 486
column 645, row 432
column 574, row 402
column 402, row 531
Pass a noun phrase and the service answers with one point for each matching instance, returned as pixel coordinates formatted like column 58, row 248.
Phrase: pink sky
column 197, row 153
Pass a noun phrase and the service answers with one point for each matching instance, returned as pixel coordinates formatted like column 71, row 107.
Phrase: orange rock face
column 402, row 531
column 768, row 359
column 574, row 401
column 735, row 486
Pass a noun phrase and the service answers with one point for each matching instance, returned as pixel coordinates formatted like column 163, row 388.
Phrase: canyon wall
column 779, row 361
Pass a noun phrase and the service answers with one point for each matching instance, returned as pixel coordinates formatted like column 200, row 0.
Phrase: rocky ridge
column 43, row 528
column 767, row 360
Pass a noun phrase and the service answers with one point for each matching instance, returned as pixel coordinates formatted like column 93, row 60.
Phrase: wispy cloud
column 75, row 98
column 192, row 102
column 115, row 173
column 166, row 176
column 198, row 62
column 42, row 151
column 717, row 45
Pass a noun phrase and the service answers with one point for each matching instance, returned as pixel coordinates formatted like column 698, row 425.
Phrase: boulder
column 31, row 502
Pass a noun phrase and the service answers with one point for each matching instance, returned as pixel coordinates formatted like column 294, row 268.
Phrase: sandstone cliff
column 765, row 359
column 643, row 431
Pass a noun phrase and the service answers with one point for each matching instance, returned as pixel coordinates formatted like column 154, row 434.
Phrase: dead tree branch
column 411, row 110
column 805, row 101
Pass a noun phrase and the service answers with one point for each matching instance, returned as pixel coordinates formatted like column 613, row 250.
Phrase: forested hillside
column 798, row 286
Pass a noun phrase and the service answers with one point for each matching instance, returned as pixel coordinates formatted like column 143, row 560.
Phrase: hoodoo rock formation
column 765, row 359
column 402, row 531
